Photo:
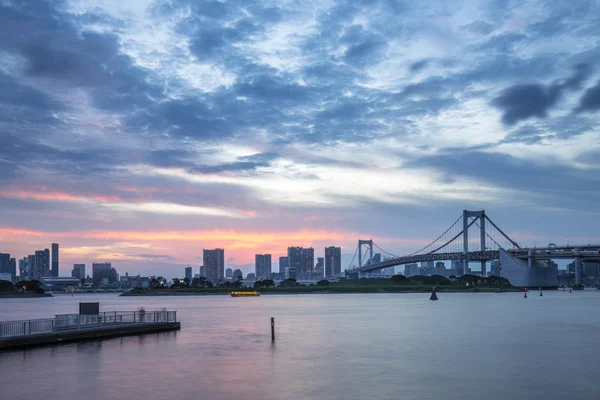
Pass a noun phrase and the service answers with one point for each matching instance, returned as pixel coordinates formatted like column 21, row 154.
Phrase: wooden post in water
column 272, row 329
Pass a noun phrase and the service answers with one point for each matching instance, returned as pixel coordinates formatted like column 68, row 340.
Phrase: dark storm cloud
column 419, row 65
column 520, row 102
column 58, row 51
column 590, row 101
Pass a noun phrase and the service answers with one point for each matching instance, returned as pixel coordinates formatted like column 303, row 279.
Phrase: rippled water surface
column 355, row 346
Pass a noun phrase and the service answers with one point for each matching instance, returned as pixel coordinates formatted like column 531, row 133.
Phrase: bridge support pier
column 577, row 266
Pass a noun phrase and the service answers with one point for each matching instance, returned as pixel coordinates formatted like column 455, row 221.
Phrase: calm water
column 360, row 346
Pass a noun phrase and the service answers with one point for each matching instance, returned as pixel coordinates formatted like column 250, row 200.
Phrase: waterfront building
column 8, row 265
column 104, row 274
column 237, row 273
column 23, row 275
column 308, row 263
column 42, row 264
column 78, row 271
column 283, row 264
column 290, row 272
column 333, row 261
column 294, row 260
column 188, row 273
column 412, row 270
column 389, row 271
column 228, row 273
column 262, row 266
column 495, row 268
column 319, row 270
column 251, row 276
column 54, row 270
column 440, row 268
column 202, row 271
column 458, row 266
column 30, row 267
column 60, row 283
column 214, row 264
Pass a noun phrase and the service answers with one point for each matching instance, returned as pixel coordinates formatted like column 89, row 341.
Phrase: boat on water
column 243, row 294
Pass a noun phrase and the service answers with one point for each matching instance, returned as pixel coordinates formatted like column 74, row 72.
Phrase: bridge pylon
column 481, row 216
column 369, row 246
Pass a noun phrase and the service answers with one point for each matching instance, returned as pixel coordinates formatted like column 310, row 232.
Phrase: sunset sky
column 141, row 132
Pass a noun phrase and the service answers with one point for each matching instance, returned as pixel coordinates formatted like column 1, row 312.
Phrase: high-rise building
column 283, row 264
column 8, row 265
column 54, row 271
column 23, row 275
column 30, row 267
column 237, row 273
column 458, row 266
column 188, row 273
column 262, row 266
column 228, row 273
column 308, row 263
column 202, row 271
column 214, row 264
column 104, row 273
column 412, row 270
column 294, row 261
column 440, row 268
column 42, row 264
column 320, row 268
column 78, row 271
column 333, row 261
column 495, row 268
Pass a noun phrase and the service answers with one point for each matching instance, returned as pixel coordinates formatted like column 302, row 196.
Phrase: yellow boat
column 243, row 294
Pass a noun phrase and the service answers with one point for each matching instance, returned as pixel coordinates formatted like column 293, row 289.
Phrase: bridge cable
column 503, row 234
column 491, row 238
column 451, row 240
column 383, row 251
column 353, row 257
column 439, row 237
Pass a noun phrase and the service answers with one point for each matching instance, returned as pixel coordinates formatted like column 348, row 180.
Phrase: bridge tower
column 369, row 246
column 481, row 216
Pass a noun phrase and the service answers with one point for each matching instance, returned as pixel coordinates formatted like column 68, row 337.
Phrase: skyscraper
column 104, row 273
column 262, row 266
column 283, row 264
column 308, row 263
column 294, row 262
column 8, row 265
column 30, row 267
column 54, row 271
column 333, row 261
column 42, row 264
column 228, row 273
column 188, row 273
column 214, row 264
column 319, row 268
column 78, row 271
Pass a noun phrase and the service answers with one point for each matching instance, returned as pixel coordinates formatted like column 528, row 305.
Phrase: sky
column 141, row 132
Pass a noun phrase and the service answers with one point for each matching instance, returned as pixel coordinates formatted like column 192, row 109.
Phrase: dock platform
column 75, row 327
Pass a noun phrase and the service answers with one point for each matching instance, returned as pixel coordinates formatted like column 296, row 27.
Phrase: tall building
column 78, row 271
column 8, row 265
column 202, row 271
column 308, row 263
column 333, row 261
column 458, row 266
column 188, row 273
column 228, row 273
column 30, row 267
column 237, row 273
column 495, row 268
column 440, row 268
column 42, row 264
column 214, row 264
column 262, row 266
column 23, row 274
column 283, row 264
column 320, row 268
column 104, row 273
column 412, row 270
column 294, row 262
column 54, row 271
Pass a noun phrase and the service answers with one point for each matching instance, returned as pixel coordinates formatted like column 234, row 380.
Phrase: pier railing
column 76, row 322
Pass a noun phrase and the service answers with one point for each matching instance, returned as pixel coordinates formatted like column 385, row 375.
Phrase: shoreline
column 25, row 295
column 326, row 291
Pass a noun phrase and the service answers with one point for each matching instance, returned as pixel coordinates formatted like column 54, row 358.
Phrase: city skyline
column 139, row 132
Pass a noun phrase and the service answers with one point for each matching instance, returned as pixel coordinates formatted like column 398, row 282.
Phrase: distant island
column 395, row 284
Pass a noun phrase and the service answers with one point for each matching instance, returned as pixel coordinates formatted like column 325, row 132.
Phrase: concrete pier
column 75, row 327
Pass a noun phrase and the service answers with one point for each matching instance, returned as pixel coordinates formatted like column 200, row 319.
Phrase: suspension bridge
column 467, row 240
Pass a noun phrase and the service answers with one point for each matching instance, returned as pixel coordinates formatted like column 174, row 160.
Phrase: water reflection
column 329, row 347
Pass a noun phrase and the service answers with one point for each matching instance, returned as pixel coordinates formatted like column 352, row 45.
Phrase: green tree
column 289, row 282
column 176, row 283
column 6, row 286
column 399, row 279
column 186, row 281
column 323, row 282
column 268, row 283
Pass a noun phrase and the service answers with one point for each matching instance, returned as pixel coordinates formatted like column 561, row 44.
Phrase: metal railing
column 76, row 322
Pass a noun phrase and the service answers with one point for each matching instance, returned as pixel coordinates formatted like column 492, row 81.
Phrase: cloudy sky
column 142, row 131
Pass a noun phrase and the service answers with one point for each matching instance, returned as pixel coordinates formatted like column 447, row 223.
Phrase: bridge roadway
column 586, row 253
